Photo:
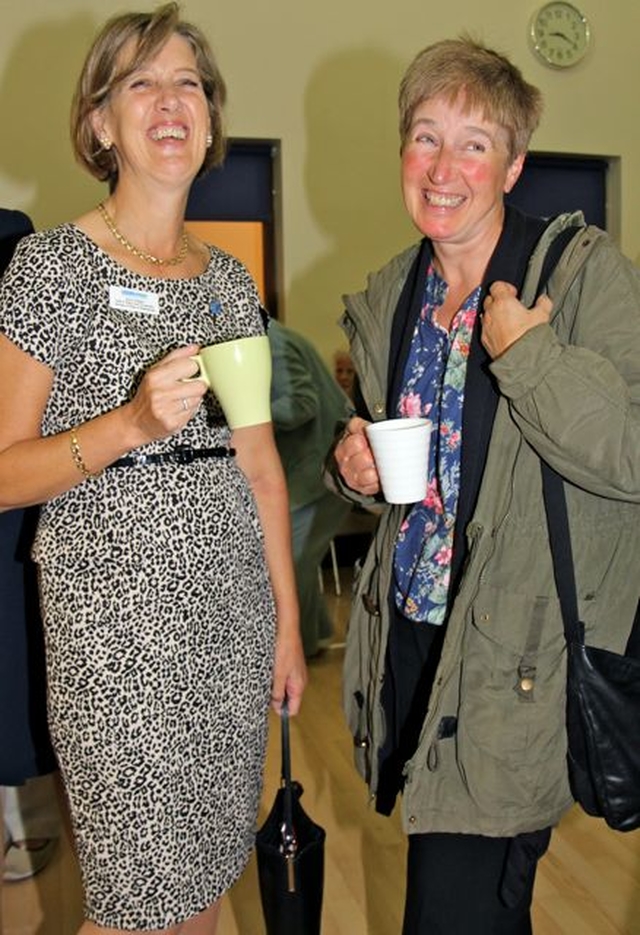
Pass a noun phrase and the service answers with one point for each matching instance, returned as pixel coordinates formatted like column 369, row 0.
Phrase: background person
column 306, row 404
column 343, row 371
column 454, row 671
column 30, row 819
column 167, row 586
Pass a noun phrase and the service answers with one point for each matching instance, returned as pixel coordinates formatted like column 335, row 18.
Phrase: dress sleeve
column 32, row 304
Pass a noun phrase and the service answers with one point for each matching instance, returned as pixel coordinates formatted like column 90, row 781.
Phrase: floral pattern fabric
column 433, row 387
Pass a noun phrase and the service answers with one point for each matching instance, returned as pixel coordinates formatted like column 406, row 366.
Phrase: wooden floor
column 588, row 883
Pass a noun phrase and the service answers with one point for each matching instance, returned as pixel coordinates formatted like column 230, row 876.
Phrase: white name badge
column 133, row 300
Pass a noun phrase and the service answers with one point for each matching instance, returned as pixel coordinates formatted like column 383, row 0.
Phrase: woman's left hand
column 505, row 319
column 289, row 672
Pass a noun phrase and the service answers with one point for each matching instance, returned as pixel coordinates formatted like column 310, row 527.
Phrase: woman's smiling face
column 455, row 172
column 157, row 116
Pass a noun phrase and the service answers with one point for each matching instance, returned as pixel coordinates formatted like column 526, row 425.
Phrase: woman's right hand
column 355, row 459
column 34, row 469
column 164, row 402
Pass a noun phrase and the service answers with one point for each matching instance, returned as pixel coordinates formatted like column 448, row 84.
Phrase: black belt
column 179, row 455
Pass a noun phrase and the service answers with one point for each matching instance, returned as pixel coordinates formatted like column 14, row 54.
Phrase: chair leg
column 334, row 565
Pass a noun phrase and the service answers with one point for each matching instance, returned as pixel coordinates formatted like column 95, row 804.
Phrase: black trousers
column 457, row 884
column 25, row 749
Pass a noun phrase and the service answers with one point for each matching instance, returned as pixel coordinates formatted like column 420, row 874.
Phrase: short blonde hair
column 486, row 80
column 102, row 72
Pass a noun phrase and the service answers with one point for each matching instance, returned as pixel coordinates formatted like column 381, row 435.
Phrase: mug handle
column 201, row 374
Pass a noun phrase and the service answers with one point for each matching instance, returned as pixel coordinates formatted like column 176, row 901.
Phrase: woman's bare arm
column 34, row 469
column 258, row 458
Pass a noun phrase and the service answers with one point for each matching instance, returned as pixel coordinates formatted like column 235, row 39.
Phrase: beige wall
column 322, row 77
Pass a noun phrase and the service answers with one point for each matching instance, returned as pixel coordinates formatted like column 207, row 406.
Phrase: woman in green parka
column 455, row 664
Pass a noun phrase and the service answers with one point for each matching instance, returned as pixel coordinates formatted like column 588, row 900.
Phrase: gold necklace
column 149, row 257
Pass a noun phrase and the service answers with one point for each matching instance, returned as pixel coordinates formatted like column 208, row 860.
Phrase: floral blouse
column 433, row 386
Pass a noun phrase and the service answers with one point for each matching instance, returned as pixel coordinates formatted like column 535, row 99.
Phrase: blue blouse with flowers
column 433, row 386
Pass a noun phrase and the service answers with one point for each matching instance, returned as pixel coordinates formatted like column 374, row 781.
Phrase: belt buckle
column 138, row 459
column 183, row 454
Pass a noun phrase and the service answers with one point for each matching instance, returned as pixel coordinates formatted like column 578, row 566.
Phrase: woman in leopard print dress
column 166, row 579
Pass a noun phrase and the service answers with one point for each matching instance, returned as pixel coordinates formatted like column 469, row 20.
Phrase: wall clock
column 560, row 34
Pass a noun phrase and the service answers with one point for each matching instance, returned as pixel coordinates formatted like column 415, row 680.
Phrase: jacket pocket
column 511, row 734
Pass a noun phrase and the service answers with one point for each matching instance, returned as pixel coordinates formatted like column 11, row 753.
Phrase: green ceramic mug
column 239, row 373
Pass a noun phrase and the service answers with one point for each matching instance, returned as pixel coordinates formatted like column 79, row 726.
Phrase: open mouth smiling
column 441, row 200
column 169, row 133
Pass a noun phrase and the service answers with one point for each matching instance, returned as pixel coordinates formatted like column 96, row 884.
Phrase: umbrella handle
column 289, row 841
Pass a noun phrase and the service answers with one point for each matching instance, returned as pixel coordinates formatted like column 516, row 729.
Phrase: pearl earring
column 209, row 140
column 106, row 143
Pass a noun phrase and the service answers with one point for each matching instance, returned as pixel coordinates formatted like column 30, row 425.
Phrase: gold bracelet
column 78, row 460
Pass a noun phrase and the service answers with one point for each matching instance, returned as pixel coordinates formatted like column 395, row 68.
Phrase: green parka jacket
column 492, row 752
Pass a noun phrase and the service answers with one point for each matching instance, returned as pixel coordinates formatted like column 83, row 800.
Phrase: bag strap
column 553, row 492
column 555, row 251
column 555, row 505
column 287, row 830
column 285, row 771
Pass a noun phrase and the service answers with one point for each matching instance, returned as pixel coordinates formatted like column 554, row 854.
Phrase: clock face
column 560, row 34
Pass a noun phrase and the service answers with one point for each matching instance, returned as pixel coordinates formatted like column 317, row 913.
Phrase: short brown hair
column 102, row 71
column 485, row 79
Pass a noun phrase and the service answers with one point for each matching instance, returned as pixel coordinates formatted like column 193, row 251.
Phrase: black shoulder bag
column 603, row 687
column 603, row 693
column 290, row 852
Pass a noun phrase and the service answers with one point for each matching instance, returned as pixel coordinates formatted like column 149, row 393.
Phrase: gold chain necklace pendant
column 148, row 257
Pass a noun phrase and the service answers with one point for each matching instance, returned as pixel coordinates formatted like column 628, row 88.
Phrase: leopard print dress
column 158, row 611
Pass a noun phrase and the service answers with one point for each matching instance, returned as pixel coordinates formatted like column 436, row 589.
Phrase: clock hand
column 561, row 35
